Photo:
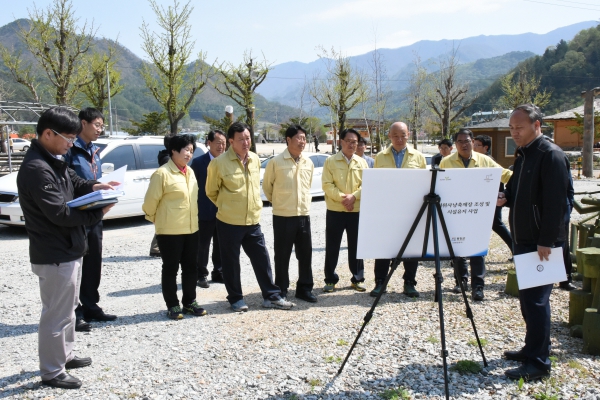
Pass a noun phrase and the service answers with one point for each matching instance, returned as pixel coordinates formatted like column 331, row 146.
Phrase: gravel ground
column 273, row 354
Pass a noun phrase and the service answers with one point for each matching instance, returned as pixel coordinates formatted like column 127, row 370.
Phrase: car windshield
column 101, row 146
column 265, row 162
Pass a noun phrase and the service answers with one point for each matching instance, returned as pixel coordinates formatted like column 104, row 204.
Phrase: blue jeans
column 535, row 307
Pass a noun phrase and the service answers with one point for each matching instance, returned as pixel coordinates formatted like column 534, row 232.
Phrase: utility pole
column 109, row 104
column 588, row 132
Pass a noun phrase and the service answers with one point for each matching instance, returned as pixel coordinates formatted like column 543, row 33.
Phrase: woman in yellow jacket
column 171, row 203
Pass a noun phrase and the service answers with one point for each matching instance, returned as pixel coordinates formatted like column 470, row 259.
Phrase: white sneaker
column 280, row 304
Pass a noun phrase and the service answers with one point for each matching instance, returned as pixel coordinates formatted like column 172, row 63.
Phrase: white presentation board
column 392, row 198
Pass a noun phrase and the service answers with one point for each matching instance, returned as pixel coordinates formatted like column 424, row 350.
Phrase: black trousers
column 335, row 224
column 293, row 232
column 382, row 269
column 91, row 272
column 208, row 231
column 535, row 308
column 477, row 270
column 252, row 240
column 501, row 229
column 175, row 250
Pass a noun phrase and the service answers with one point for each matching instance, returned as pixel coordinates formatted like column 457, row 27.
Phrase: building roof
column 499, row 124
column 570, row 114
column 357, row 123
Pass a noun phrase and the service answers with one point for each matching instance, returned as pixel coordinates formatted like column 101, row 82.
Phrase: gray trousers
column 59, row 290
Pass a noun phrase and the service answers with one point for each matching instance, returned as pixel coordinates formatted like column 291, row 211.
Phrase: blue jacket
column 85, row 162
column 207, row 211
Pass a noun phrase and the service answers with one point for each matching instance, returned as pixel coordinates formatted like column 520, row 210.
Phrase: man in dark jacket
column 207, row 212
column 84, row 159
column 537, row 197
column 57, row 239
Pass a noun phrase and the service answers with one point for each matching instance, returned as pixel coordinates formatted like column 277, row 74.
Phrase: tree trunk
column 588, row 132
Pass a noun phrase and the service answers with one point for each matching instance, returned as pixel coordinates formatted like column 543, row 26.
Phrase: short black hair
column 347, row 131
column 485, row 140
column 167, row 138
column 89, row 114
column 211, row 135
column 463, row 131
column 237, row 127
column 362, row 140
column 178, row 142
column 60, row 119
column 447, row 142
column 293, row 130
column 533, row 112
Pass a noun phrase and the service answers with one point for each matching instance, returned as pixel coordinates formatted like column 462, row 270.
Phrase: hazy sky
column 291, row 30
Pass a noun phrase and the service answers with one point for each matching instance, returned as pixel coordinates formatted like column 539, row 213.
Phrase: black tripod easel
column 431, row 202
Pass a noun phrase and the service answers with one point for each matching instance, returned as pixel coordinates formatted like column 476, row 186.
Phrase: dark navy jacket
column 207, row 211
column 85, row 161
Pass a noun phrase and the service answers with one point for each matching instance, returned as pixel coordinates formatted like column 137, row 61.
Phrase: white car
column 20, row 144
column 316, row 189
column 138, row 153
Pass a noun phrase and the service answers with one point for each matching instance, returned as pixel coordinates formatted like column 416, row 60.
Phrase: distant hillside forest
column 566, row 70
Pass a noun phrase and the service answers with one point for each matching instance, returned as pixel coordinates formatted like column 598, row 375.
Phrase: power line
column 562, row 5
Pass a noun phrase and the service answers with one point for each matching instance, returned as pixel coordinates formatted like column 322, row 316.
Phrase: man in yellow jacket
column 465, row 157
column 233, row 184
column 398, row 155
column 342, row 184
column 286, row 185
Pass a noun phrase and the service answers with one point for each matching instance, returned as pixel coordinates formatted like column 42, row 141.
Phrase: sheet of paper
column 531, row 272
column 392, row 198
column 116, row 176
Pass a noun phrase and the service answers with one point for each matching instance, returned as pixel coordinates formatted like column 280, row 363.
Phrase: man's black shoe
column 568, row 286
column 528, row 372
column 217, row 278
column 477, row 293
column 306, row 296
column 82, row 326
column 203, row 283
column 63, row 381
column 515, row 355
column 99, row 316
column 77, row 362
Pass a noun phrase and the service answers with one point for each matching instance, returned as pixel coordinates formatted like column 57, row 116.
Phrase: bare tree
column 448, row 99
column 239, row 84
column 342, row 89
column 59, row 46
column 417, row 93
column 380, row 93
column 171, row 80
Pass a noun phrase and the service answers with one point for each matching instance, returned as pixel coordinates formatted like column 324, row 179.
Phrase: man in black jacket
column 207, row 212
column 537, row 197
column 57, row 239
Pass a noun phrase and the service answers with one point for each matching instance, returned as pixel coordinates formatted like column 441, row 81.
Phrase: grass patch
column 330, row 359
column 578, row 366
column 395, row 394
column 315, row 382
column 549, row 391
column 341, row 342
column 432, row 339
column 473, row 342
column 466, row 367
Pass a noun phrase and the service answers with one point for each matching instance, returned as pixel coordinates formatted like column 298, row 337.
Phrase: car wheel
column 25, row 148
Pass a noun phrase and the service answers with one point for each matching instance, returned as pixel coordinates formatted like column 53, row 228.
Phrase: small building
column 503, row 146
column 364, row 126
column 562, row 121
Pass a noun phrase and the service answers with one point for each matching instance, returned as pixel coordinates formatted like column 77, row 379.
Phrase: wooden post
column 588, row 131
column 512, row 286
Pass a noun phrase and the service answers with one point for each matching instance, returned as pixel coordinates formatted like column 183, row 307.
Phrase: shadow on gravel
column 12, row 233
column 17, row 330
column 116, row 259
column 134, row 292
column 16, row 378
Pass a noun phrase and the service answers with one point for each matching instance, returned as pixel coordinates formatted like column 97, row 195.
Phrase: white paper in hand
column 531, row 272
column 115, row 176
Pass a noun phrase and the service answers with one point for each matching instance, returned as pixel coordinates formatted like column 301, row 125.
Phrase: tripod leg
column 469, row 312
column 369, row 314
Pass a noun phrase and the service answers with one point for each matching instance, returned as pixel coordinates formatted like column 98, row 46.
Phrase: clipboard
column 531, row 272
column 97, row 204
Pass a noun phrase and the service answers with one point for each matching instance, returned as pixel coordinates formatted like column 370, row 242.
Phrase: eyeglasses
column 463, row 141
column 98, row 125
column 70, row 141
column 351, row 142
